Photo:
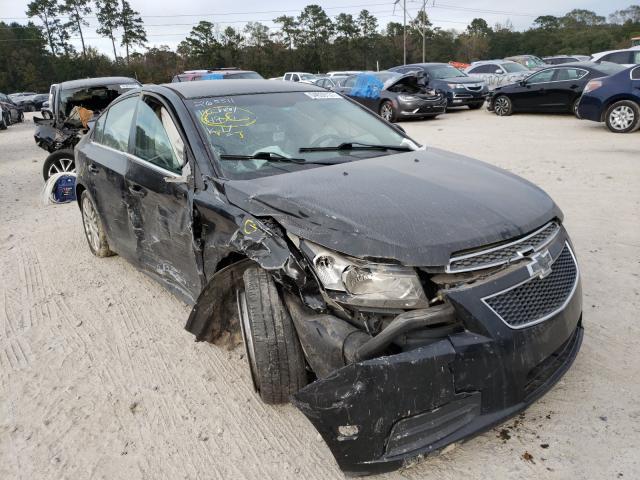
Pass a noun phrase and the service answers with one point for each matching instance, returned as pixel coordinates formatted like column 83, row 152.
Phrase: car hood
column 415, row 208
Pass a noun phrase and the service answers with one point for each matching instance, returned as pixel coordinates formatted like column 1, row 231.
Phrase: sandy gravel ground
column 98, row 379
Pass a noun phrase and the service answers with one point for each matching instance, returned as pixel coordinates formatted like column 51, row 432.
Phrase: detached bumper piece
column 378, row 414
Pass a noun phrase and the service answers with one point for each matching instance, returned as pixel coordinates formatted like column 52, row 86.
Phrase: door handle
column 573, row 87
column 92, row 168
column 137, row 190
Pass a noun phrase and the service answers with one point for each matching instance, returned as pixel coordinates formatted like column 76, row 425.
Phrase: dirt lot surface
column 98, row 379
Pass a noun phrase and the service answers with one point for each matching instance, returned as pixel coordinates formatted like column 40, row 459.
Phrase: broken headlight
column 358, row 282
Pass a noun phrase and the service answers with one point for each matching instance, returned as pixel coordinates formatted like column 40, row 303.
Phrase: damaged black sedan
column 402, row 297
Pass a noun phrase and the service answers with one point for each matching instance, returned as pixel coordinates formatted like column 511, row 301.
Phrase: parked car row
column 29, row 101
column 9, row 112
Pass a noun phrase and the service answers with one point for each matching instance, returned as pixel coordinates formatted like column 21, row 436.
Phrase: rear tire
column 273, row 349
column 502, row 106
column 93, row 227
column 61, row 161
column 387, row 111
column 574, row 107
column 623, row 117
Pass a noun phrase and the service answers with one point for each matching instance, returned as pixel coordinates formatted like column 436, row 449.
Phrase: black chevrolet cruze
column 402, row 297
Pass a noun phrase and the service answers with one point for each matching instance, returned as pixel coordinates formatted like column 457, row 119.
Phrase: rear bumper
column 377, row 414
column 590, row 108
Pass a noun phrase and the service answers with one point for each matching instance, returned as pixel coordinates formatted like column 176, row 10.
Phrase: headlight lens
column 407, row 98
column 367, row 284
column 455, row 85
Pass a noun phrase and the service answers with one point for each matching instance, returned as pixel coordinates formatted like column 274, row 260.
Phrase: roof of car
column 238, row 87
column 96, row 82
column 497, row 60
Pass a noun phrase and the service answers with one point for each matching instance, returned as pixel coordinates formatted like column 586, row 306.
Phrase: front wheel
column 61, row 161
column 387, row 112
column 623, row 117
column 274, row 352
column 502, row 106
column 93, row 228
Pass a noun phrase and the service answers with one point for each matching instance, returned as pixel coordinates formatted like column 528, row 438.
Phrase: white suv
column 496, row 73
column 303, row 77
column 627, row 57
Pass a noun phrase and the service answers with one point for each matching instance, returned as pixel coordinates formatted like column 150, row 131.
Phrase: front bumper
column 377, row 414
column 421, row 108
column 466, row 97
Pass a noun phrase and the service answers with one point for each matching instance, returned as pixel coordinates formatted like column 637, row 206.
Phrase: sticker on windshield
column 129, row 85
column 227, row 121
column 321, row 95
column 212, row 101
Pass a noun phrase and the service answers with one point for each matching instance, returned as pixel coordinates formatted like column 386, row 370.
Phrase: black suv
column 61, row 128
column 459, row 88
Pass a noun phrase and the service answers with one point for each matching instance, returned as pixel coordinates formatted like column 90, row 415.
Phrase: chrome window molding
column 137, row 160
column 547, row 316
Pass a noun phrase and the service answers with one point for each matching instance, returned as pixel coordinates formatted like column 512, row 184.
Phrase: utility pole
column 404, row 33
column 424, row 32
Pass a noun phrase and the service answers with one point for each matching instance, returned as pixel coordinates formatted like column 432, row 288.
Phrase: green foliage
column 33, row 56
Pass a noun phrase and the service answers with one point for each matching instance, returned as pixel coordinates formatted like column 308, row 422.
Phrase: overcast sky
column 169, row 21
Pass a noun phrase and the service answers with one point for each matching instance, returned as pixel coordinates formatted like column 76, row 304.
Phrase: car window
column 287, row 76
column 157, row 138
column 485, row 69
column 541, row 77
column 295, row 77
column 617, row 57
column 514, row 67
column 349, row 82
column 565, row 74
column 635, row 73
column 635, row 57
column 98, row 128
column 117, row 126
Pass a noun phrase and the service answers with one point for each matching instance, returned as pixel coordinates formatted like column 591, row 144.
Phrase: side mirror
column 499, row 71
column 523, row 83
column 46, row 113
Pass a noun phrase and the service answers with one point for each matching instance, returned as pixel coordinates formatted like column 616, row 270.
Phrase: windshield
column 514, row 67
column 534, row 62
column 307, row 76
column 446, row 71
column 284, row 123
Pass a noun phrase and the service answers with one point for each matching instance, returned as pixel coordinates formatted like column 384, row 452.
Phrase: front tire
column 623, row 117
column 387, row 111
column 93, row 227
column 61, row 161
column 273, row 349
column 502, row 106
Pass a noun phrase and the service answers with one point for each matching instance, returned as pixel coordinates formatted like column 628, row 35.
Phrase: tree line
column 33, row 56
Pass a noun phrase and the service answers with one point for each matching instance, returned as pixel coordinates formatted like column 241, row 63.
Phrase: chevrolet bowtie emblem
column 540, row 265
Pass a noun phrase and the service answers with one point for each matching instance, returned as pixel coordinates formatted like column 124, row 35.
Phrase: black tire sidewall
column 280, row 364
column 55, row 156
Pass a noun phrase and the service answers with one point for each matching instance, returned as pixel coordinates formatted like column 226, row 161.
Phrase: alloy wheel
column 622, row 117
column 501, row 107
column 90, row 220
column 386, row 112
column 63, row 165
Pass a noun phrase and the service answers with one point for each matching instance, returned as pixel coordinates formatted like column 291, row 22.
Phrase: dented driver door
column 160, row 212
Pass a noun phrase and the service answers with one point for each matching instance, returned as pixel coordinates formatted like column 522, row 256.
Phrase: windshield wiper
column 269, row 156
column 357, row 146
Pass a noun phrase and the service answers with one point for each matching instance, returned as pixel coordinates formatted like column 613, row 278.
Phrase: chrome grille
column 504, row 253
column 537, row 299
